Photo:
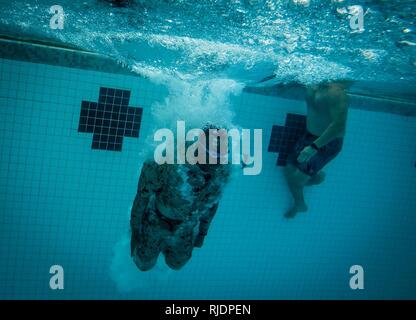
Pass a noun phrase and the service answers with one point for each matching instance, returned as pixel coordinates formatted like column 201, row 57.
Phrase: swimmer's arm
column 139, row 206
column 339, row 113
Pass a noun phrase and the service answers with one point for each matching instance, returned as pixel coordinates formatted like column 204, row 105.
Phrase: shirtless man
column 326, row 121
column 173, row 209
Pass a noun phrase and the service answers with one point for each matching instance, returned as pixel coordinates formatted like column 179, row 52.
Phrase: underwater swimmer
column 327, row 108
column 173, row 209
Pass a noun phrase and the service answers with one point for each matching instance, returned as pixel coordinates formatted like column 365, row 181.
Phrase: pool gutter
column 57, row 54
column 38, row 51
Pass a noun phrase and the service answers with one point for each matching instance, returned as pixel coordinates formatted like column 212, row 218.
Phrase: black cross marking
column 110, row 119
column 284, row 137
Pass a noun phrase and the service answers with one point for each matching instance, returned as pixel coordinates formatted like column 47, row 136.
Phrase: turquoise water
column 243, row 39
column 62, row 202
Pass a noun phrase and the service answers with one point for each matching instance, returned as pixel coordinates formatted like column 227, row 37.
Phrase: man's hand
column 307, row 153
column 199, row 241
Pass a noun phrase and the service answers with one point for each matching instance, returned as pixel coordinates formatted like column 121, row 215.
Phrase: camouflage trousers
column 157, row 233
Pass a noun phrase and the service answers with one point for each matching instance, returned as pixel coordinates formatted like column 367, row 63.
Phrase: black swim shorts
column 320, row 159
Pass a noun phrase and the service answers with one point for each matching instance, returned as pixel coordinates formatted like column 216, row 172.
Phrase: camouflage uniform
column 172, row 211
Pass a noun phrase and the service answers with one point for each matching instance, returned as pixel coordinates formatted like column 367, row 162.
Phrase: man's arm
column 204, row 223
column 337, row 100
column 145, row 191
column 338, row 111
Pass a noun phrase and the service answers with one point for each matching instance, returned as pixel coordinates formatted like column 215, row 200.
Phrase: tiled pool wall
column 53, row 180
column 67, row 185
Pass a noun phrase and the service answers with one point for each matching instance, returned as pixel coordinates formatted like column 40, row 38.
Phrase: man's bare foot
column 295, row 209
column 316, row 179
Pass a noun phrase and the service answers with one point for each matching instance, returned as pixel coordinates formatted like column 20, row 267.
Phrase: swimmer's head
column 214, row 137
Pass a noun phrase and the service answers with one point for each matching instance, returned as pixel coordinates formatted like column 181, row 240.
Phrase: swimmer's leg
column 145, row 258
column 296, row 181
column 146, row 243
column 179, row 248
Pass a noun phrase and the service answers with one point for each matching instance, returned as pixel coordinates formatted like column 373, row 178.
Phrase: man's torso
column 319, row 103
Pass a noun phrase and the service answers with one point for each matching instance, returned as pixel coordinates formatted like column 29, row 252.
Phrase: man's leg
column 146, row 242
column 296, row 177
column 180, row 245
column 144, row 261
column 316, row 179
column 296, row 180
column 146, row 252
column 176, row 256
